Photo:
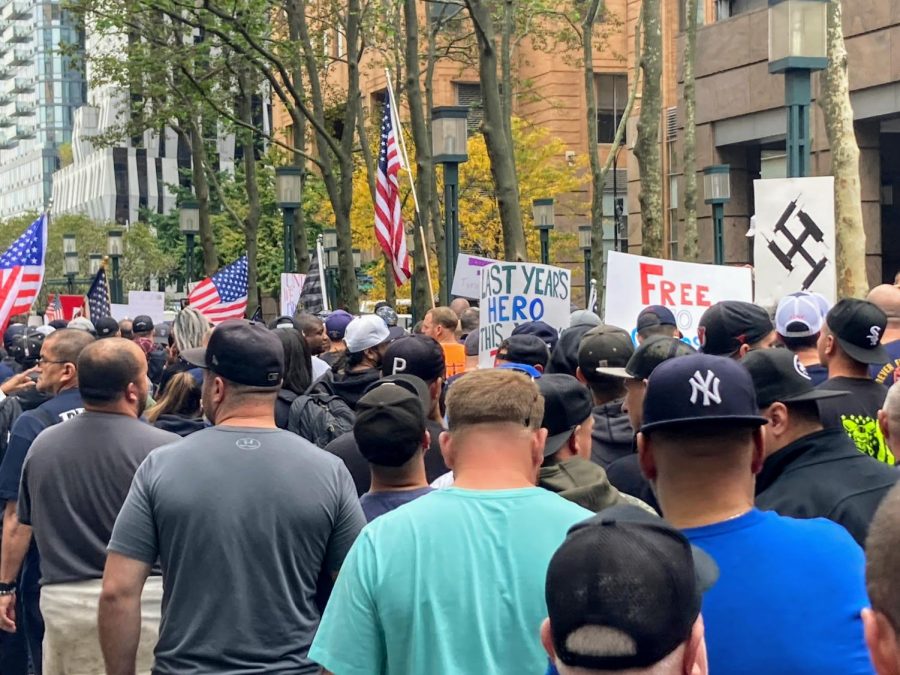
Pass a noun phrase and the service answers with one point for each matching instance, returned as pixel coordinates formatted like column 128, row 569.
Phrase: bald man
column 887, row 298
column 72, row 490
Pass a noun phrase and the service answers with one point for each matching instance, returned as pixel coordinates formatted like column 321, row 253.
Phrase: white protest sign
column 793, row 249
column 467, row 278
column 151, row 303
column 291, row 287
column 515, row 293
column 688, row 289
column 121, row 312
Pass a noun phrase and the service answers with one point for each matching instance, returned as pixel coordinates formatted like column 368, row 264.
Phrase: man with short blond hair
column 882, row 621
column 496, row 527
column 441, row 323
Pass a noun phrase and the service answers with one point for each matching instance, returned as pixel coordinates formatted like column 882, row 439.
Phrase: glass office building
column 39, row 92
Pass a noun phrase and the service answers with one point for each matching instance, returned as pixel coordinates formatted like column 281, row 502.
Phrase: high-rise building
column 40, row 88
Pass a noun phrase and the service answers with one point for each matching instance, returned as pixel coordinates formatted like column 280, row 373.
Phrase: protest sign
column 467, row 278
column 151, row 303
column 515, row 293
column 793, row 248
column 688, row 289
column 291, row 286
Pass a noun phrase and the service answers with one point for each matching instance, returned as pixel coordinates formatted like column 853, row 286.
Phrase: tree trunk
column 691, row 250
column 433, row 217
column 251, row 221
column 298, row 121
column 646, row 149
column 201, row 192
column 598, row 257
column 850, row 235
column 500, row 151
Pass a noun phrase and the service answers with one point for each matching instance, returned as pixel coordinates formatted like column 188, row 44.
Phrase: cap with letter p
column 243, row 352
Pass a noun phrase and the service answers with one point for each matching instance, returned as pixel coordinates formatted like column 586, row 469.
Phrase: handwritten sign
column 467, row 278
column 291, row 287
column 688, row 289
column 516, row 293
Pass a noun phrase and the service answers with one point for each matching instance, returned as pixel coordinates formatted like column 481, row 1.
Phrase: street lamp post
column 288, row 188
column 115, row 248
column 798, row 46
column 70, row 261
column 584, row 242
column 543, row 220
column 189, row 224
column 448, row 143
column 96, row 260
column 717, row 192
column 329, row 246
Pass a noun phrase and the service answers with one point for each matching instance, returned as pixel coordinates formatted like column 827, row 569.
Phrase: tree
column 646, row 149
column 690, row 250
column 850, row 235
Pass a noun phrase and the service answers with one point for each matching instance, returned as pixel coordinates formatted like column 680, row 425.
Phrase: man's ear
column 580, row 376
column 645, row 457
column 881, row 639
column 132, row 395
column 547, row 640
column 743, row 351
column 883, row 425
column 426, row 441
column 446, row 442
column 695, row 661
column 759, row 450
column 538, row 367
column 537, row 448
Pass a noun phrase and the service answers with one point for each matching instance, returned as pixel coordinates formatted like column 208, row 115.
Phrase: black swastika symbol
column 791, row 215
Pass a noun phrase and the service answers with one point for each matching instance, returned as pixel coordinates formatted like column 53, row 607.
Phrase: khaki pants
column 71, row 639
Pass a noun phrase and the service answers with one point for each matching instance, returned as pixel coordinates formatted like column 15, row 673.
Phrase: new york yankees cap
column 631, row 572
column 241, row 351
column 858, row 326
column 779, row 376
column 700, row 388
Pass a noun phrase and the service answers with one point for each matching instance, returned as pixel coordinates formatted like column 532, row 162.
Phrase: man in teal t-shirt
column 453, row 581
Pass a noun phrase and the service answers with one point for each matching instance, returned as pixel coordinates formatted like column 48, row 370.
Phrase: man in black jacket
column 810, row 471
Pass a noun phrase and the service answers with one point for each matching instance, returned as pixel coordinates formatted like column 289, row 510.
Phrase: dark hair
column 347, row 360
column 605, row 386
column 182, row 398
column 106, row 368
column 667, row 330
column 469, row 320
column 297, row 361
column 795, row 343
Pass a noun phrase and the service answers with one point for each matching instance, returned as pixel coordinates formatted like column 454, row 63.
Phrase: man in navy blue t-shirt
column 790, row 592
column 58, row 376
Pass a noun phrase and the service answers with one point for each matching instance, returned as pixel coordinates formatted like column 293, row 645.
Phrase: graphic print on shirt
column 866, row 434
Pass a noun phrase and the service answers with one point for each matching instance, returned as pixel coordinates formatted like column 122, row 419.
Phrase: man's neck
column 892, row 332
column 794, row 434
column 687, row 506
column 117, row 408
column 809, row 356
column 847, row 368
column 66, row 387
column 384, row 480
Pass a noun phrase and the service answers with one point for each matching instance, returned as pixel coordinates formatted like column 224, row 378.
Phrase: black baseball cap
column 524, row 348
column 700, row 388
column 604, row 347
column 541, row 329
column 12, row 333
column 412, row 384
column 778, row 375
column 390, row 424
column 729, row 324
column 106, row 327
column 630, row 571
column 649, row 354
column 417, row 355
column 567, row 403
column 655, row 315
column 859, row 326
column 241, row 351
column 141, row 324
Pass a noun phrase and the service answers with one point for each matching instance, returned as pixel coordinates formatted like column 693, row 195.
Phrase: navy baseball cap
column 655, row 315
column 700, row 388
column 728, row 325
column 544, row 331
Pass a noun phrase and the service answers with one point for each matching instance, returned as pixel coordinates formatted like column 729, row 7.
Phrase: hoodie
column 349, row 386
column 613, row 436
column 584, row 483
column 183, row 426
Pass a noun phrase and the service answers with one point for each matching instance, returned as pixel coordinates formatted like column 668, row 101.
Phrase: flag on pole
column 54, row 310
column 257, row 315
column 388, row 219
column 592, row 298
column 311, row 300
column 223, row 295
column 22, row 271
column 98, row 297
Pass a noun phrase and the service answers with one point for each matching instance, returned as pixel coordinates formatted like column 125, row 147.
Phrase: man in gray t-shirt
column 245, row 519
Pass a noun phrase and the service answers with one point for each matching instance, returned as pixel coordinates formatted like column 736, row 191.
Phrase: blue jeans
column 20, row 652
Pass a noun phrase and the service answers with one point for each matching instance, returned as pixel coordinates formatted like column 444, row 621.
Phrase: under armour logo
column 248, row 444
column 874, row 335
column 708, row 386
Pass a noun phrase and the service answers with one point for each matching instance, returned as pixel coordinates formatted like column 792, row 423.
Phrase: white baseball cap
column 800, row 314
column 365, row 332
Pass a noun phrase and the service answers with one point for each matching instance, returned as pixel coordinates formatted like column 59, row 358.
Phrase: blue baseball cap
column 700, row 388
column 540, row 329
column 655, row 315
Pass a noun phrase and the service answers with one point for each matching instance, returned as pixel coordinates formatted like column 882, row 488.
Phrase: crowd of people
column 338, row 494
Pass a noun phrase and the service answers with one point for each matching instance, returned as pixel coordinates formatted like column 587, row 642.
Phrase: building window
column 612, row 95
column 682, row 14
column 773, row 164
column 470, row 95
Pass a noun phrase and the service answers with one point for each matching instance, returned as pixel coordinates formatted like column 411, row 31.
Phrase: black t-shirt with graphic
column 857, row 414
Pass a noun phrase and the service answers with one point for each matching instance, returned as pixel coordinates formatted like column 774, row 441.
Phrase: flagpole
column 427, row 266
column 319, row 254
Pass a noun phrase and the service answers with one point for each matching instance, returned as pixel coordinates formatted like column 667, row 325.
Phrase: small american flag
column 98, row 297
column 223, row 295
column 22, row 271
column 388, row 219
column 54, row 310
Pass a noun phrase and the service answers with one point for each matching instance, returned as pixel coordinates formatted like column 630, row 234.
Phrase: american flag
column 388, row 219
column 54, row 310
column 98, row 297
column 22, row 271
column 223, row 295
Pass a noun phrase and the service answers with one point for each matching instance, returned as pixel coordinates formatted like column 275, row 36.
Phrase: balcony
column 17, row 10
column 23, row 110
column 24, row 131
column 6, row 72
column 6, row 99
column 20, row 57
column 8, row 142
column 6, row 121
column 17, row 34
column 23, row 85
